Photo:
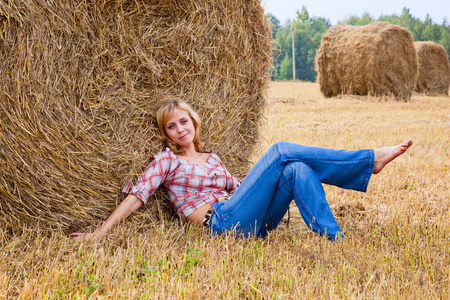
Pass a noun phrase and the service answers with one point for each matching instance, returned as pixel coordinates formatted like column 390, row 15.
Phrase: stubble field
column 397, row 234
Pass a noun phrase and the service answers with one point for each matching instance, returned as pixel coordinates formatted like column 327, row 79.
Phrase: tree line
column 307, row 32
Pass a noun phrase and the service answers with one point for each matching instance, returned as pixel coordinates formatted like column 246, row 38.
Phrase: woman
column 198, row 183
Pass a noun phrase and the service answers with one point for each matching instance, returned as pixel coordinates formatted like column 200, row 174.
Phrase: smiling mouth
column 182, row 137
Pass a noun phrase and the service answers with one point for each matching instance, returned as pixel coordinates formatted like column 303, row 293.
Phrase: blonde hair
column 165, row 110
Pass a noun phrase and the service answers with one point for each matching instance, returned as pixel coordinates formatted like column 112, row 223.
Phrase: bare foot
column 385, row 155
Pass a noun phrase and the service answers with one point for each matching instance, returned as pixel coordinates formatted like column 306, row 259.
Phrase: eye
column 184, row 121
column 170, row 126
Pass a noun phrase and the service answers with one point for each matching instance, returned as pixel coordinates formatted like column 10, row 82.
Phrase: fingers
column 74, row 234
column 78, row 236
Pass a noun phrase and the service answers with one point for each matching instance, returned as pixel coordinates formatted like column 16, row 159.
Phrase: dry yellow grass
column 397, row 234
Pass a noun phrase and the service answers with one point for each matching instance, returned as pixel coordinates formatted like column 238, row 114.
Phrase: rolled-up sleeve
column 232, row 182
column 152, row 177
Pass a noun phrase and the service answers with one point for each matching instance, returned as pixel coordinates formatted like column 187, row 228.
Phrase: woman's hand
column 82, row 236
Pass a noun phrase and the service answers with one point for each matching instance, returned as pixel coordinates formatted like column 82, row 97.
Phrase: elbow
column 134, row 203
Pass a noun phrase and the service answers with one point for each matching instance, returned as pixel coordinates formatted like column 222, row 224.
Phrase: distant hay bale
column 434, row 69
column 78, row 85
column 377, row 59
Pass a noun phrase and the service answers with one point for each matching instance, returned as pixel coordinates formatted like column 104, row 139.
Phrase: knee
column 280, row 144
column 278, row 147
column 298, row 170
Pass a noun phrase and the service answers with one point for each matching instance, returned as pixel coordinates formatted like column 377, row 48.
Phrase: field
column 397, row 241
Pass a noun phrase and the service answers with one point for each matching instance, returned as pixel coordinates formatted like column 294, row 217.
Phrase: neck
column 190, row 151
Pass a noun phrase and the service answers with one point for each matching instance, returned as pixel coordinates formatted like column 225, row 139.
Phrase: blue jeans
column 289, row 171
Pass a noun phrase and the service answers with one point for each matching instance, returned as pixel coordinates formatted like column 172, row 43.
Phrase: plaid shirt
column 188, row 184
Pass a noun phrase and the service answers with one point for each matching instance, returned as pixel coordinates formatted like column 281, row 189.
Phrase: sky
column 338, row 10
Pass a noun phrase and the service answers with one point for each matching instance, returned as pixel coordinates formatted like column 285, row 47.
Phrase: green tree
column 352, row 20
column 357, row 21
column 282, row 44
column 406, row 20
column 303, row 16
column 445, row 37
column 431, row 31
column 286, row 68
column 275, row 24
column 276, row 53
column 307, row 36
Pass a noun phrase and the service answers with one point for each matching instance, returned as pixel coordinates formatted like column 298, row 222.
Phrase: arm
column 125, row 208
column 232, row 182
column 150, row 180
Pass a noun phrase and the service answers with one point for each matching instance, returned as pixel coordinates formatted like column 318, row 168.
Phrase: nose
column 180, row 128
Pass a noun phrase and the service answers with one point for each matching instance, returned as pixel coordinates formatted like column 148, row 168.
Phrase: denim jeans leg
column 299, row 182
column 278, row 207
column 248, row 206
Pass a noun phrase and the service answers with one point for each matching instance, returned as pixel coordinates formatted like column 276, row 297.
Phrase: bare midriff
column 197, row 216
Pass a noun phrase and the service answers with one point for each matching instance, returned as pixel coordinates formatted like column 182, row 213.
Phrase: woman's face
column 180, row 128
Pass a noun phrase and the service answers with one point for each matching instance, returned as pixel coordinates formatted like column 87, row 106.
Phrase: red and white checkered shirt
column 189, row 185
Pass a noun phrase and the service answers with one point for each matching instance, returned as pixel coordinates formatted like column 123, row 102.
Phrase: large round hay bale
column 377, row 59
column 434, row 69
column 79, row 81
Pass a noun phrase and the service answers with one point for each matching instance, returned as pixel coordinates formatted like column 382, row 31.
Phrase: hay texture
column 434, row 69
column 378, row 59
column 79, row 82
